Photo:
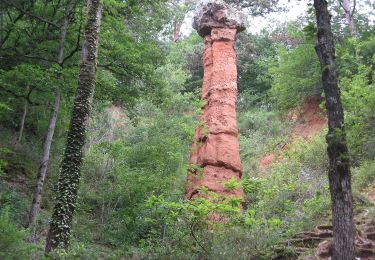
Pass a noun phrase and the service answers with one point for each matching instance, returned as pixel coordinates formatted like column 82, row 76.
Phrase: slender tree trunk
column 23, row 118
column 35, row 206
column 60, row 227
column 176, row 30
column 339, row 161
column 1, row 21
column 349, row 11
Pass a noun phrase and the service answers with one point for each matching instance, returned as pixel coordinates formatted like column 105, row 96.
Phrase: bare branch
column 341, row 4
column 354, row 6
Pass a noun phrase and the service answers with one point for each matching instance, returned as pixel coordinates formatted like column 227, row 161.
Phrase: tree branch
column 354, row 6
column 26, row 97
column 10, row 30
column 38, row 58
column 25, row 12
column 78, row 43
column 340, row 2
column 195, row 238
column 11, row 92
column 113, row 69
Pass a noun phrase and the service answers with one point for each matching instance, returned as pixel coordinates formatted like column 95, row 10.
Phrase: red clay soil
column 267, row 160
column 309, row 119
column 215, row 155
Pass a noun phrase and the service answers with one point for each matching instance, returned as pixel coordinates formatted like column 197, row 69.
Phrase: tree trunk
column 176, row 30
column 23, row 118
column 1, row 21
column 339, row 161
column 35, row 206
column 59, row 232
column 349, row 11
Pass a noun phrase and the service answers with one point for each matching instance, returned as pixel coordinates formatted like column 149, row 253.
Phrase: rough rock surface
column 215, row 156
column 217, row 14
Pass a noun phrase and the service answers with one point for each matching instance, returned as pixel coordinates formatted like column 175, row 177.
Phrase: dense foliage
column 146, row 107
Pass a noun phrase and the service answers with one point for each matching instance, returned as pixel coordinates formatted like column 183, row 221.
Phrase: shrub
column 12, row 244
column 296, row 75
column 364, row 175
column 260, row 132
column 295, row 189
column 358, row 97
column 14, row 203
column 3, row 162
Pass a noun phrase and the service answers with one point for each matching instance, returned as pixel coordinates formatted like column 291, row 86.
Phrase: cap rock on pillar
column 217, row 14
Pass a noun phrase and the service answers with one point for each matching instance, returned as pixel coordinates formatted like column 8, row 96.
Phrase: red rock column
column 215, row 156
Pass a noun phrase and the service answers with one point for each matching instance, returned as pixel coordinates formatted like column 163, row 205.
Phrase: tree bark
column 339, row 161
column 1, row 21
column 176, row 30
column 349, row 11
column 23, row 118
column 35, row 206
column 60, row 227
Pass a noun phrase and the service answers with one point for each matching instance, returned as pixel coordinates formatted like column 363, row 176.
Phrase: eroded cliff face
column 215, row 156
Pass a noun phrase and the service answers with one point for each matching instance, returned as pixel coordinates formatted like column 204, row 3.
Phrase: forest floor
column 309, row 120
column 317, row 243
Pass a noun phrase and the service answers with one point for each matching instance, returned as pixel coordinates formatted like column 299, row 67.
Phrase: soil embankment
column 308, row 120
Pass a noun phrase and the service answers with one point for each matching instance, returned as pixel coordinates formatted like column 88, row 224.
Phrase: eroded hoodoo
column 215, row 155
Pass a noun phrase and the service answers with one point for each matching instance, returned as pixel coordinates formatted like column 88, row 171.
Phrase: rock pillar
column 215, row 156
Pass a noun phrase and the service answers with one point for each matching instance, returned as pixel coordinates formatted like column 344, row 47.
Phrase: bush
column 121, row 171
column 296, row 76
column 295, row 189
column 291, row 198
column 3, row 162
column 81, row 251
column 364, row 175
column 260, row 132
column 186, row 230
column 14, row 203
column 358, row 97
column 12, row 244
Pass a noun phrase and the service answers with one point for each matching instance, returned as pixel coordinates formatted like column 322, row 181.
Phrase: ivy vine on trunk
column 60, row 227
